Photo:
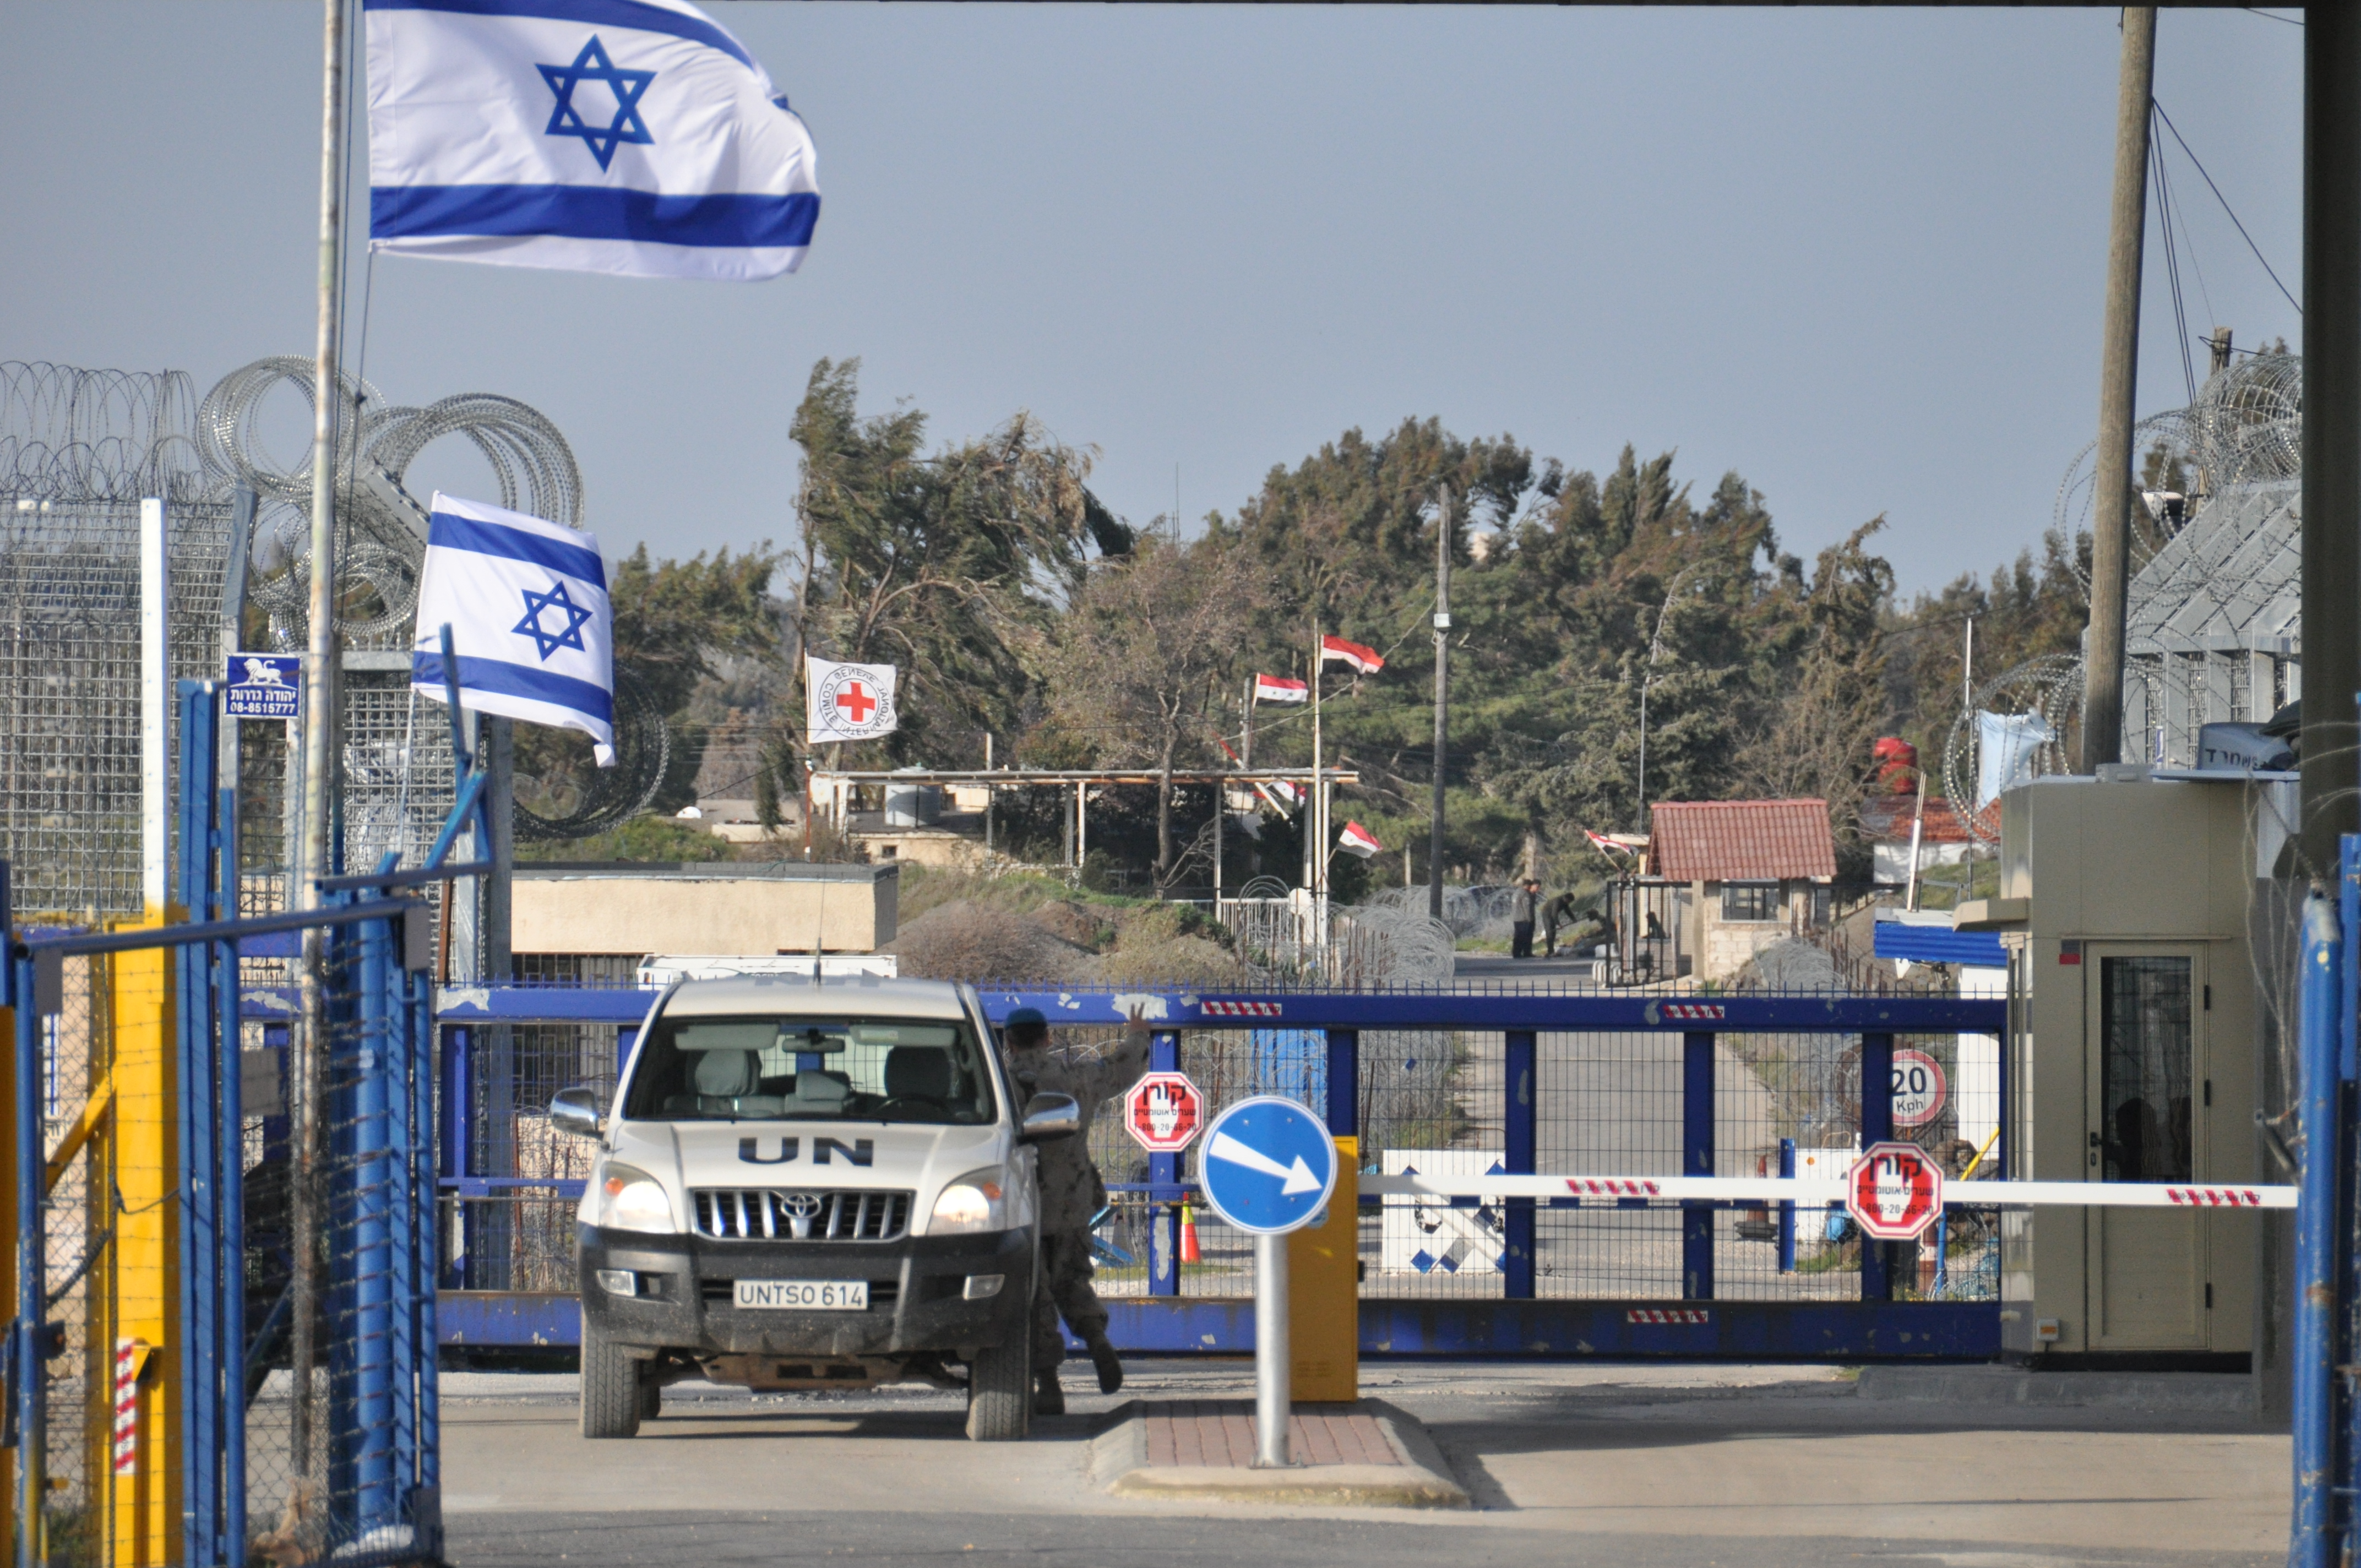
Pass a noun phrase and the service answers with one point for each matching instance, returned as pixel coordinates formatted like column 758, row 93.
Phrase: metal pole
column 2332, row 426
column 1313, row 844
column 155, row 709
column 319, row 735
column 2103, row 677
column 2313, row 1355
column 1274, row 1366
column 1876, row 1126
column 32, row 1379
column 1441, row 698
column 1520, row 1144
column 1787, row 1210
column 1697, row 1159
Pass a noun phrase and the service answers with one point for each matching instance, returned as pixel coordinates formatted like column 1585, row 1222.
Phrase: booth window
column 1750, row 901
column 2145, row 1076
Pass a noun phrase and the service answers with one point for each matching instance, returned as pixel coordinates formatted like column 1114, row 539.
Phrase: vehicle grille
column 754, row 1213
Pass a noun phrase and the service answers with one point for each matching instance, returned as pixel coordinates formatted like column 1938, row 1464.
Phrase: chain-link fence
column 202, row 1392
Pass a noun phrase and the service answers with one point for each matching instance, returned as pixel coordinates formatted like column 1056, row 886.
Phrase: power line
column 2172, row 269
column 2224, row 200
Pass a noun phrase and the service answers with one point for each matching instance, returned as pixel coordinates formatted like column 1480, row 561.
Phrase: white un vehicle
column 810, row 1184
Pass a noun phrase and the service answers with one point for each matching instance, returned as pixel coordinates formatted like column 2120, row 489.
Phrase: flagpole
column 319, row 734
column 1316, row 818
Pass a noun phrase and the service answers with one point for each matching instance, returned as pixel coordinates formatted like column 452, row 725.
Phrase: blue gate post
column 32, row 1378
column 1787, row 1210
column 2312, row 1392
column 2347, row 1273
column 197, row 1061
column 1344, row 1083
column 1697, row 1159
column 458, row 1142
column 1519, row 1148
column 1876, row 1126
column 419, row 1034
column 1163, row 1177
column 375, row 1499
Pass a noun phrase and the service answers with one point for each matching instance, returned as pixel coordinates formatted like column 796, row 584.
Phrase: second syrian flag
column 1279, row 688
column 1358, row 840
column 1364, row 660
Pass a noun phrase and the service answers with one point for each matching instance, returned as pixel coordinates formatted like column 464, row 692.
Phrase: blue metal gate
column 1507, row 1050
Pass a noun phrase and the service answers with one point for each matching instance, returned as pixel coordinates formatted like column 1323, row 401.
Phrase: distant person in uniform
column 1522, row 910
column 1073, row 1191
column 1577, row 927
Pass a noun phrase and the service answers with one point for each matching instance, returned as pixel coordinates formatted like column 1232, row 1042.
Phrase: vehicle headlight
column 631, row 1199
column 976, row 1201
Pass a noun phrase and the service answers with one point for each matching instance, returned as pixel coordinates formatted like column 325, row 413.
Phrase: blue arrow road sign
column 1267, row 1164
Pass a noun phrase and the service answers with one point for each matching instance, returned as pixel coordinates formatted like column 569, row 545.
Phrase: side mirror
column 577, row 1111
column 1050, row 1116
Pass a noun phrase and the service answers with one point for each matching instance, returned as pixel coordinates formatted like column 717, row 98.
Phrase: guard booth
column 2130, row 906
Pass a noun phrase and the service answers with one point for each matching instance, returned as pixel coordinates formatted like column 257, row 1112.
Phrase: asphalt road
column 1749, row 1467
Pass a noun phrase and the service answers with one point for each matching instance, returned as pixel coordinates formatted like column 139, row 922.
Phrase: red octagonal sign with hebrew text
column 1163, row 1112
column 1893, row 1191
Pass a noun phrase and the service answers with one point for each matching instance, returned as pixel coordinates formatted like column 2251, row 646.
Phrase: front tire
column 612, row 1399
column 1000, row 1386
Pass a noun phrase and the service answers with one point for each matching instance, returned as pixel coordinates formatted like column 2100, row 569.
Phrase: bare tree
column 1130, row 666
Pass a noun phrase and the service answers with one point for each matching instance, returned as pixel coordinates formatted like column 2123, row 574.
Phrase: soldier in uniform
column 1072, row 1191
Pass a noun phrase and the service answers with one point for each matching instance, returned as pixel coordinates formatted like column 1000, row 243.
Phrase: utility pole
column 2332, row 417
column 1442, row 701
column 2220, row 345
column 319, row 745
column 2102, row 677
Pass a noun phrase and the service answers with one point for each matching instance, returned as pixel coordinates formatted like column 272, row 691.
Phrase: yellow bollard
column 1323, row 1304
column 143, row 1488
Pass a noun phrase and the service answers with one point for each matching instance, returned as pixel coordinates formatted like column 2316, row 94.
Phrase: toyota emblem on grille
column 801, row 1209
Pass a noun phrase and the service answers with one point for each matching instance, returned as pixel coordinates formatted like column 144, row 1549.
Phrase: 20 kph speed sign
column 1918, row 1089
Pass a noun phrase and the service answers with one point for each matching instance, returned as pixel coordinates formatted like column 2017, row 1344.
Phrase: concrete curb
column 1423, row 1480
column 2204, row 1393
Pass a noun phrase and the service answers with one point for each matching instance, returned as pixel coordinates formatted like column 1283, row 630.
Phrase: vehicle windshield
column 803, row 1069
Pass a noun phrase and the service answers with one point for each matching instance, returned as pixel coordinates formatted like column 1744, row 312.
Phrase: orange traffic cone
column 1189, row 1252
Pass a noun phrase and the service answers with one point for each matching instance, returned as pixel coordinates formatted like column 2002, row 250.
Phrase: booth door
column 2146, row 1060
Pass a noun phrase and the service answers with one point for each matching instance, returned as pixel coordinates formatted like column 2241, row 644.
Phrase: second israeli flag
column 526, row 602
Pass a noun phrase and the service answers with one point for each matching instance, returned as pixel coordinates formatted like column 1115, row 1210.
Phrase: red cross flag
column 1358, row 840
column 1364, row 660
column 848, row 702
column 1279, row 688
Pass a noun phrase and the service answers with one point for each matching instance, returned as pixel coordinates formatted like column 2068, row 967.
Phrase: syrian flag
column 1606, row 845
column 1363, row 660
column 1358, row 840
column 1286, row 796
column 1279, row 688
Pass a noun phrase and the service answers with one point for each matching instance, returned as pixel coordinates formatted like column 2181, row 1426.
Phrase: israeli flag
column 634, row 136
column 526, row 602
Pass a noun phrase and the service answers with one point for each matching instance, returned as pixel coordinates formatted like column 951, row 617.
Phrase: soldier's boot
column 1110, row 1366
column 1048, row 1397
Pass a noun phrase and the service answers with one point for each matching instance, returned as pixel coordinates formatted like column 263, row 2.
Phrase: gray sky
column 1856, row 256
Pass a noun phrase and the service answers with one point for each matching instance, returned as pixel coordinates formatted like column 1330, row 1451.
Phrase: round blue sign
column 1267, row 1164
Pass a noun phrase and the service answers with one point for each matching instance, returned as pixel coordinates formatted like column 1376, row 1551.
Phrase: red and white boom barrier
column 1820, row 1191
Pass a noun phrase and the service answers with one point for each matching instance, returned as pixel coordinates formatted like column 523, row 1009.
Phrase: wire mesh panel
column 74, row 1047
column 341, row 1428
column 1608, row 1104
column 515, row 1237
column 70, row 687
